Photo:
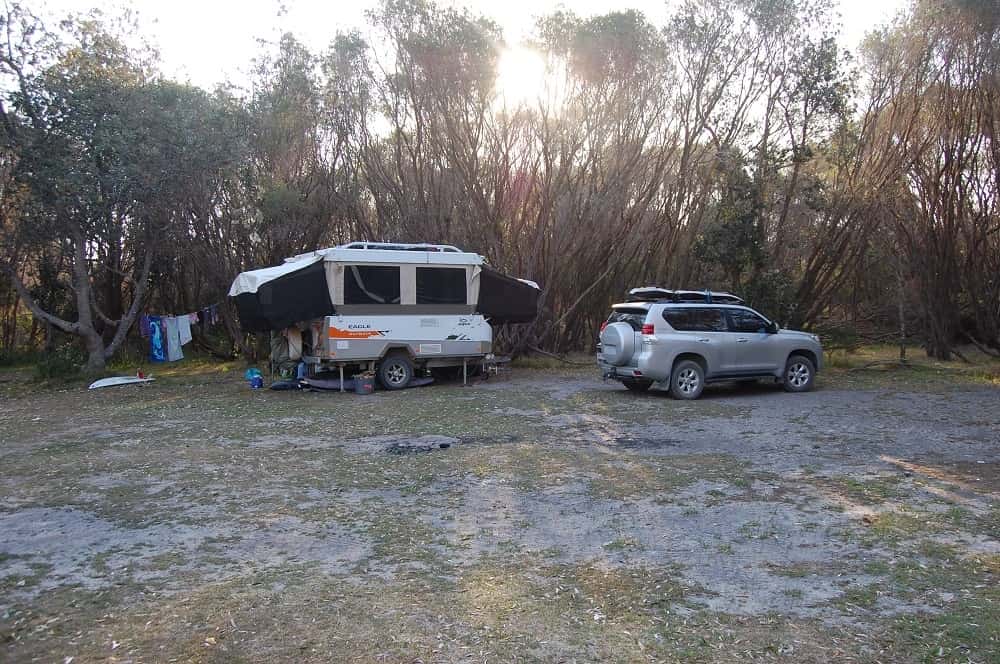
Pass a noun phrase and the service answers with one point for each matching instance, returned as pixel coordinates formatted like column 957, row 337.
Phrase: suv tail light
column 604, row 325
column 647, row 328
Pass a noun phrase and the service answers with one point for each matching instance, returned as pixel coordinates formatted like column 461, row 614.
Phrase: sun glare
column 521, row 77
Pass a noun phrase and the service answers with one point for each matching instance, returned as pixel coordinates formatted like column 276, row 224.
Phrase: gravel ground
column 544, row 517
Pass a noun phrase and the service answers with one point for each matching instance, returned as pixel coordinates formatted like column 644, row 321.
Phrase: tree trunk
column 901, row 310
column 50, row 337
column 95, row 354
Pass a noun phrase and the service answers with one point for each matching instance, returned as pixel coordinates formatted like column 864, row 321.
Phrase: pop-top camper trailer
column 391, row 308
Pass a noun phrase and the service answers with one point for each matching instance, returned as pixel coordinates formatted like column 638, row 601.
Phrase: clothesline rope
column 167, row 334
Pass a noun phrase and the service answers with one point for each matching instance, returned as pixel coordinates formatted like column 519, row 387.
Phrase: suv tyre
column 799, row 374
column 687, row 380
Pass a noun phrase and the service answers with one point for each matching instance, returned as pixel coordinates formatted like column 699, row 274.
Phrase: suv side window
column 746, row 322
column 695, row 319
column 678, row 319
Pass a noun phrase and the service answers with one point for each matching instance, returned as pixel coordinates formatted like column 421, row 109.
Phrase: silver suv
column 685, row 345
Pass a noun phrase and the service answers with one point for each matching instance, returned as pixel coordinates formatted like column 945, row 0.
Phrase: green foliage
column 771, row 292
column 10, row 357
column 721, row 149
column 605, row 50
column 112, row 160
column 734, row 244
column 62, row 363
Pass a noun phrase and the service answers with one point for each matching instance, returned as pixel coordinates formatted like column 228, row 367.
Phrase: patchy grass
column 965, row 622
column 897, row 526
column 192, row 519
column 861, row 596
column 659, row 478
column 877, row 366
column 869, row 491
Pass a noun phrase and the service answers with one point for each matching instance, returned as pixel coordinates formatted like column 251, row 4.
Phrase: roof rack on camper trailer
column 397, row 246
column 390, row 252
column 657, row 294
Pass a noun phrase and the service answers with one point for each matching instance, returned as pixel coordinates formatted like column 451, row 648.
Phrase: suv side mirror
column 772, row 328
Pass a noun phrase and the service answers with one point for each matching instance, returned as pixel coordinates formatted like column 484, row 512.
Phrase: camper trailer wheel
column 395, row 371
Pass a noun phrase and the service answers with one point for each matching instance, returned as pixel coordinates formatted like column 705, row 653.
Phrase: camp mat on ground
column 333, row 383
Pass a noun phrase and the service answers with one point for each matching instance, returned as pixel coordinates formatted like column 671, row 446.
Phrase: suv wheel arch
column 695, row 357
column 808, row 354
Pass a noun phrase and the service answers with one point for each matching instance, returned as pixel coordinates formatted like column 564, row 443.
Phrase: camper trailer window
column 371, row 284
column 441, row 285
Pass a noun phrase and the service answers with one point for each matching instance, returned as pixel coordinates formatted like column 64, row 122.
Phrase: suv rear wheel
column 688, row 380
column 799, row 374
column 636, row 384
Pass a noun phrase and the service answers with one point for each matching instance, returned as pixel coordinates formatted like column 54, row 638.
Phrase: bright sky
column 210, row 41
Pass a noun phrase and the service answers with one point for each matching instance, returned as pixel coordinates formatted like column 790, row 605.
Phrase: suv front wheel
column 688, row 380
column 799, row 374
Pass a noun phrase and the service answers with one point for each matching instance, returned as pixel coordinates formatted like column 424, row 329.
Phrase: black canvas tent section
column 504, row 299
column 277, row 304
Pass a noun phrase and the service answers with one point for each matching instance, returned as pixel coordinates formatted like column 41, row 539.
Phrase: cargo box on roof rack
column 656, row 294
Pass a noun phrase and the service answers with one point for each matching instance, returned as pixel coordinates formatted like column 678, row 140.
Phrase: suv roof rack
column 657, row 294
column 400, row 246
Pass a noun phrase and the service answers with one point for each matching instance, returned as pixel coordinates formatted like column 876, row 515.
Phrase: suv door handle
column 704, row 340
column 742, row 340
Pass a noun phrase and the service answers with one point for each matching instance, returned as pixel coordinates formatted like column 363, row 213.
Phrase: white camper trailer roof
column 358, row 252
column 385, row 252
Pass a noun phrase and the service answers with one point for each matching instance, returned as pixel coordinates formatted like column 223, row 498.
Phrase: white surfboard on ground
column 117, row 380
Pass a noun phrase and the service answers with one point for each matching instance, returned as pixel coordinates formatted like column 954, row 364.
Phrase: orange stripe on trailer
column 337, row 333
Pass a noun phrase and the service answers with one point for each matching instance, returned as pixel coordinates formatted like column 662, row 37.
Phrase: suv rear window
column 634, row 317
column 695, row 320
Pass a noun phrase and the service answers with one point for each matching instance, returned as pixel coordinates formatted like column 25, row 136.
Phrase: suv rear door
column 705, row 329
column 750, row 348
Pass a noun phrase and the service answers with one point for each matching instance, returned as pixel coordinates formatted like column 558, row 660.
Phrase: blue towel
column 157, row 340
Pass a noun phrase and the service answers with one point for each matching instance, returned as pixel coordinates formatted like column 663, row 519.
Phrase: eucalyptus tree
column 938, row 65
column 427, row 164
column 104, row 151
column 603, row 146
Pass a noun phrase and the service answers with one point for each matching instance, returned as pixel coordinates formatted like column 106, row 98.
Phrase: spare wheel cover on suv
column 618, row 343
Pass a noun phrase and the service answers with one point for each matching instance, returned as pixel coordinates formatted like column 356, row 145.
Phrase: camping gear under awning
column 276, row 297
